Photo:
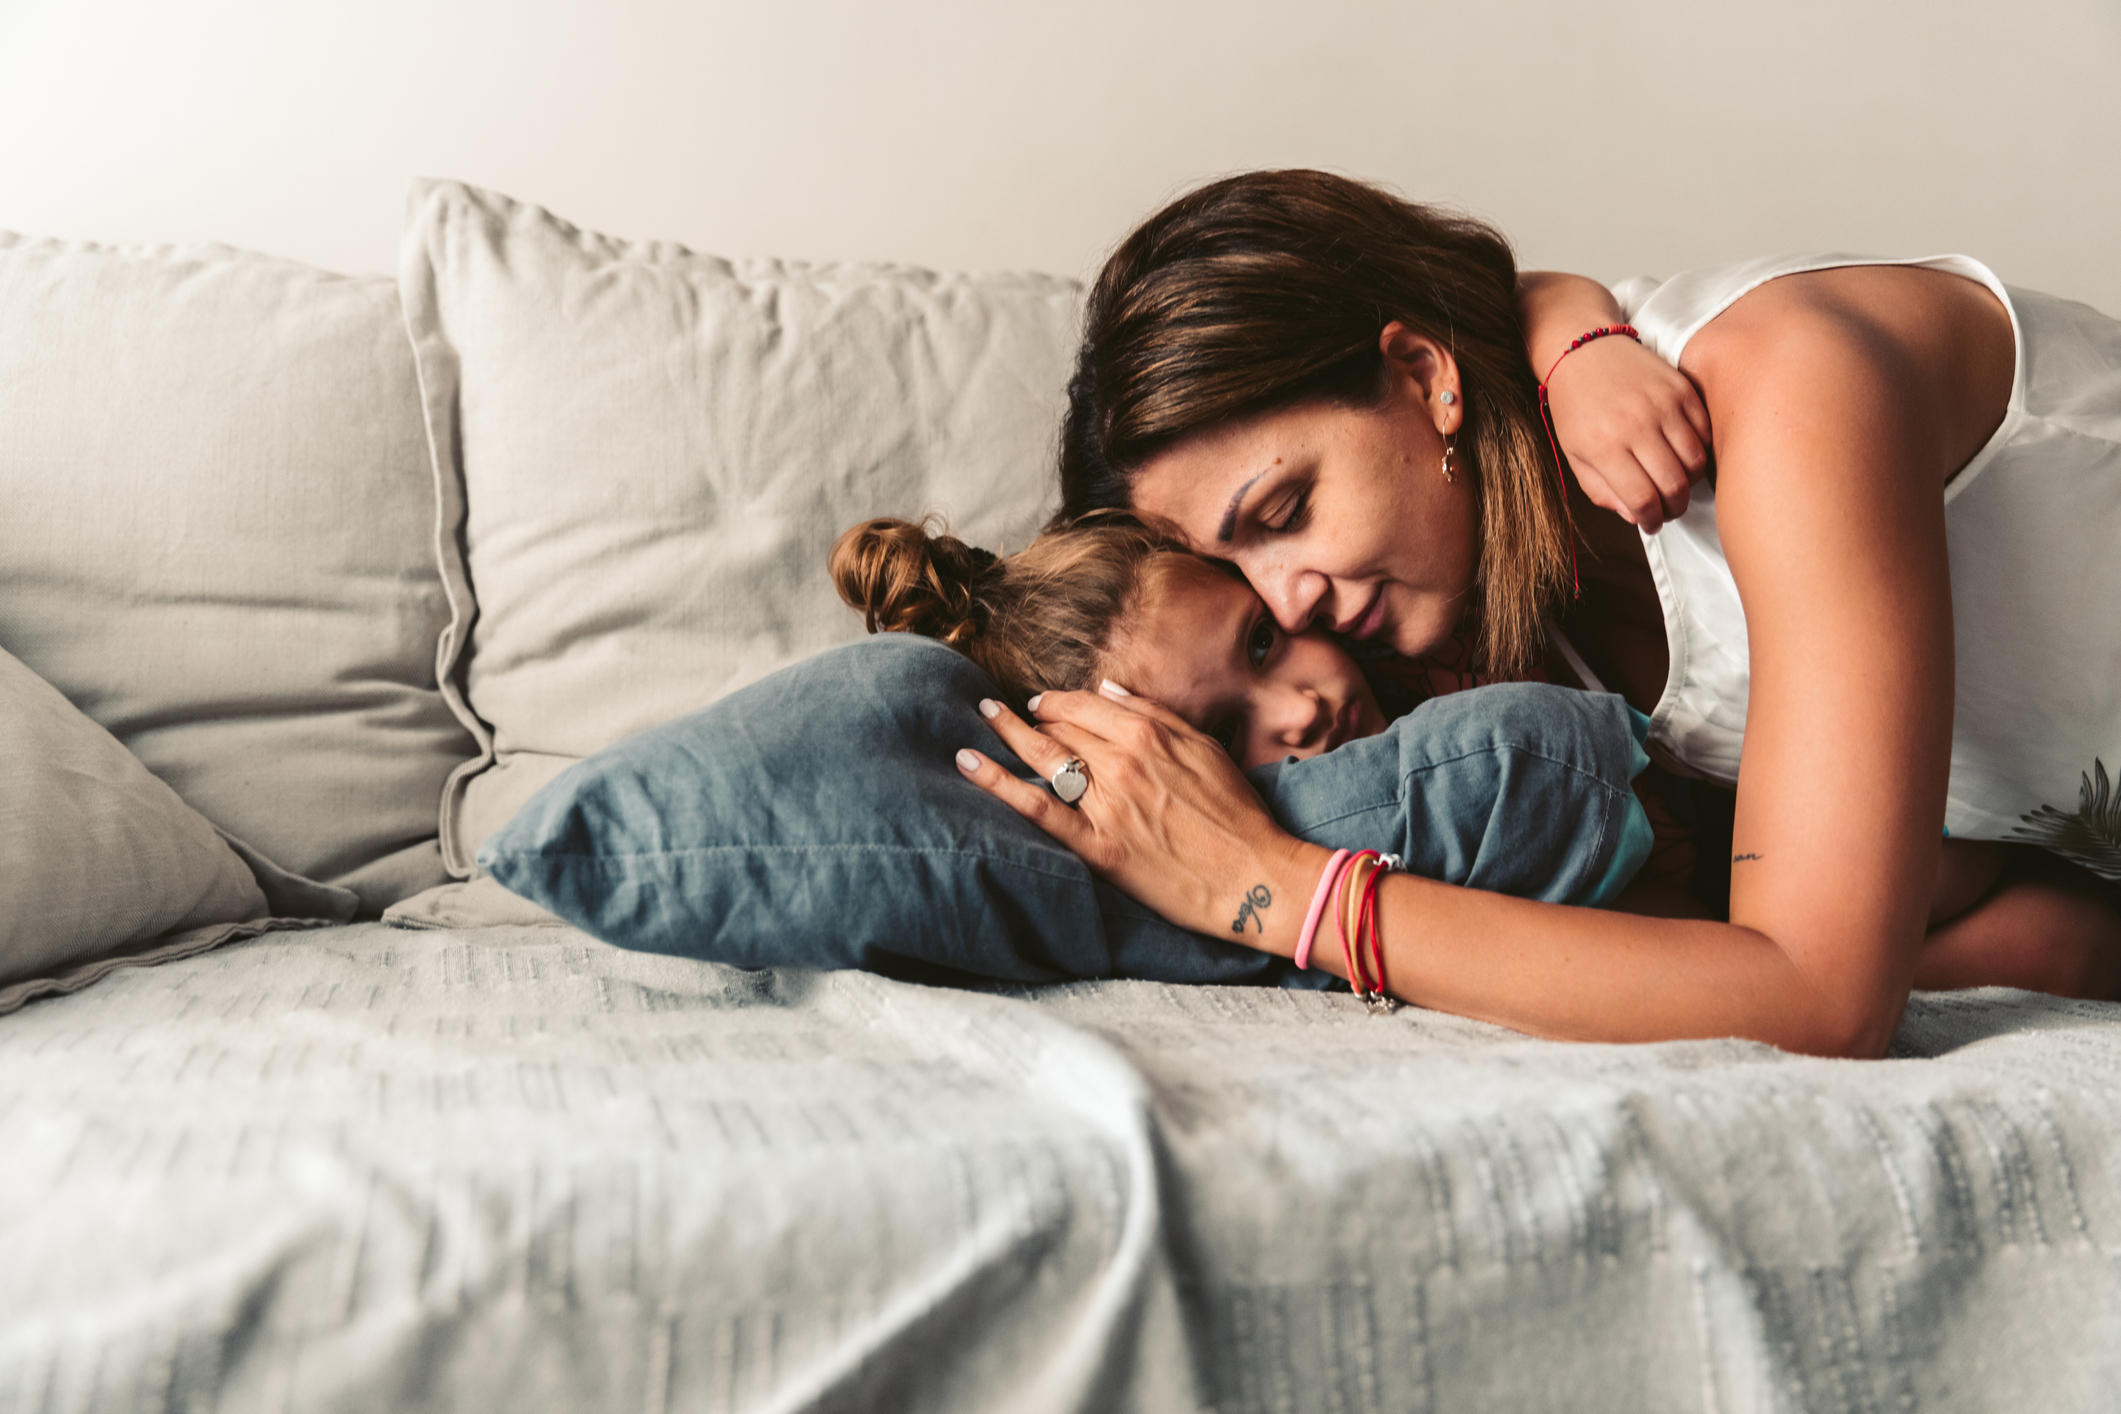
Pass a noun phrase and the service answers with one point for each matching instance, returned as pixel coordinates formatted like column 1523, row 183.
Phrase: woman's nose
column 1293, row 596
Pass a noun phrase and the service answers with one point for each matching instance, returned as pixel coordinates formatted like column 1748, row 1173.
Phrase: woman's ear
column 1426, row 371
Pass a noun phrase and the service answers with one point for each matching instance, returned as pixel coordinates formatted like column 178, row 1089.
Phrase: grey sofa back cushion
column 218, row 541
column 644, row 454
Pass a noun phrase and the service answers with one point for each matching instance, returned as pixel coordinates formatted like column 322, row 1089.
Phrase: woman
column 1326, row 386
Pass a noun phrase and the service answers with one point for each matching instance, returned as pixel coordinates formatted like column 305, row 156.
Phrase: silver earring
column 1447, row 397
column 1450, row 449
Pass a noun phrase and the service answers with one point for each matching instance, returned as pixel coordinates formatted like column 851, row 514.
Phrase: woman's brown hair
column 1041, row 620
column 1269, row 289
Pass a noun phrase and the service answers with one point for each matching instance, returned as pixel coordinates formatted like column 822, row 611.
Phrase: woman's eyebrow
column 1228, row 528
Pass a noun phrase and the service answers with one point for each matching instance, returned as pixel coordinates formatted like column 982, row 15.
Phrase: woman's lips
column 1369, row 621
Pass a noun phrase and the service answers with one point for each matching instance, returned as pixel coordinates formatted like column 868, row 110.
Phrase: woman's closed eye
column 1292, row 514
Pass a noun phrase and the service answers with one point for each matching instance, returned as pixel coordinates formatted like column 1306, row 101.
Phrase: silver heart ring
column 1071, row 780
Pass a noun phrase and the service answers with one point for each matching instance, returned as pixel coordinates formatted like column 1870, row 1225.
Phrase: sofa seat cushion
column 644, row 455
column 219, row 541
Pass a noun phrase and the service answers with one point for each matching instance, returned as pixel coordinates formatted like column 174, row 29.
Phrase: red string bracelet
column 1591, row 337
column 1368, row 922
column 1546, row 419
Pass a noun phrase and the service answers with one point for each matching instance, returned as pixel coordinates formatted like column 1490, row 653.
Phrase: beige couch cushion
column 644, row 455
column 101, row 865
column 218, row 542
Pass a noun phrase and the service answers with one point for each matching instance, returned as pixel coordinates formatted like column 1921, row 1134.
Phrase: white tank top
column 2033, row 528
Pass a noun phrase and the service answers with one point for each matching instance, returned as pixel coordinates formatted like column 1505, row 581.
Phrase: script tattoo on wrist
column 1742, row 858
column 1248, row 911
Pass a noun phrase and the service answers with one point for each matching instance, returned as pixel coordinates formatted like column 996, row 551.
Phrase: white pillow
column 101, row 865
column 644, row 455
column 218, row 541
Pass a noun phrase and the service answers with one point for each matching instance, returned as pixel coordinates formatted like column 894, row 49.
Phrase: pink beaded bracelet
column 1318, row 907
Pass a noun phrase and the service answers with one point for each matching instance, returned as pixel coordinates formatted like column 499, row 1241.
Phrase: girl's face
column 1340, row 517
column 1204, row 645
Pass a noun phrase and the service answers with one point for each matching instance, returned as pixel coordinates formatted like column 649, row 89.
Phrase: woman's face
column 1340, row 517
column 1204, row 645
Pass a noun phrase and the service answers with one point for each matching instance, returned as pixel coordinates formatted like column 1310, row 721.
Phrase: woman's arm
column 1168, row 819
column 1837, row 425
column 1634, row 429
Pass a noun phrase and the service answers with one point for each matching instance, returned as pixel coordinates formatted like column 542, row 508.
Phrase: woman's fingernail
column 968, row 761
column 989, row 708
column 1113, row 689
column 1032, row 705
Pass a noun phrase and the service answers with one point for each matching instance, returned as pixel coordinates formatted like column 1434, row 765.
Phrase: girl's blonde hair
column 1041, row 620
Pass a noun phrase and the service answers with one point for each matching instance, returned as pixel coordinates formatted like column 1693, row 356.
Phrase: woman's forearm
column 1580, row 973
column 1170, row 820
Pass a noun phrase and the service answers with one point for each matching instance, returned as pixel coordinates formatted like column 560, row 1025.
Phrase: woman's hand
column 1633, row 427
column 1167, row 817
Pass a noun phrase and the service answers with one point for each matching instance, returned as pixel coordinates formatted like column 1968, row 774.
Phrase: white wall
column 1634, row 135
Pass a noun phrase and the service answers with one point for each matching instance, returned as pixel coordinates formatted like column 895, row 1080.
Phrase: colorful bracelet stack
column 1349, row 885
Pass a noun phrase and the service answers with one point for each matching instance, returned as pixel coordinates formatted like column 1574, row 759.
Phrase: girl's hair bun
column 911, row 577
column 1041, row 620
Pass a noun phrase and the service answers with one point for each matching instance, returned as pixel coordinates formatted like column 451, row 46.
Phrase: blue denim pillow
column 816, row 819
column 1518, row 788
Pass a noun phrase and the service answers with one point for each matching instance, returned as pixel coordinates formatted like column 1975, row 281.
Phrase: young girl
column 1115, row 601
column 1116, row 604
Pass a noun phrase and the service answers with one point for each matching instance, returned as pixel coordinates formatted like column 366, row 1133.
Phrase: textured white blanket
column 375, row 1170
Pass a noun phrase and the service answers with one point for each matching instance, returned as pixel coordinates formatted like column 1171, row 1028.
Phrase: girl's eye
column 1261, row 642
column 1225, row 734
column 1293, row 518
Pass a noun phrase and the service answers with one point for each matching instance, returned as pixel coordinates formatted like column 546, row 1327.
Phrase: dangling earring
column 1450, row 443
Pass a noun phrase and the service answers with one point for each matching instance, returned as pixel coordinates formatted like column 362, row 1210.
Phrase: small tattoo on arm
column 1742, row 858
column 1248, row 911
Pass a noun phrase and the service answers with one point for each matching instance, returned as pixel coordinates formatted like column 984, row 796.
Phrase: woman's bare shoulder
column 1938, row 343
